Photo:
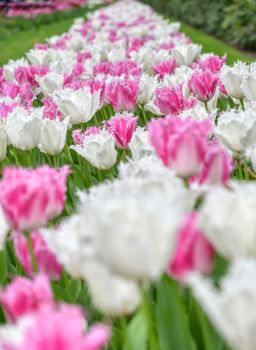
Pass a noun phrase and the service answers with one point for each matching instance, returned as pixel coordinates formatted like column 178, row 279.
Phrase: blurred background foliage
column 234, row 21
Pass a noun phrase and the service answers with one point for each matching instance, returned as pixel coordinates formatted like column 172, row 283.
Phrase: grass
column 17, row 45
column 211, row 44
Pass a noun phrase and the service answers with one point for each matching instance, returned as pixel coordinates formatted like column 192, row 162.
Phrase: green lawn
column 15, row 46
column 211, row 44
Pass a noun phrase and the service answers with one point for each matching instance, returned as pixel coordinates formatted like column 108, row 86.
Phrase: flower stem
column 242, row 103
column 240, row 170
column 147, row 308
column 32, row 253
column 145, row 119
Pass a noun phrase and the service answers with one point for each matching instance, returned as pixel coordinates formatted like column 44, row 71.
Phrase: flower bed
column 128, row 161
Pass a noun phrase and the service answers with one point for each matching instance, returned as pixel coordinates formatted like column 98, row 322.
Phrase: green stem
column 206, row 106
column 144, row 116
column 246, row 174
column 31, row 253
column 67, row 151
column 242, row 103
column 240, row 169
column 149, row 313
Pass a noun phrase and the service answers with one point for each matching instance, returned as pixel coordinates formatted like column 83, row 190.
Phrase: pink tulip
column 23, row 296
column 79, row 136
column 193, row 251
column 61, row 328
column 203, row 85
column 32, row 197
column 9, row 89
column 165, row 67
column 26, row 96
column 122, row 128
column 5, row 109
column 180, row 143
column 101, row 68
column 50, row 109
column 126, row 67
column 218, row 165
column 212, row 62
column 26, row 74
column 40, row 46
column 122, row 94
column 46, row 260
column 171, row 100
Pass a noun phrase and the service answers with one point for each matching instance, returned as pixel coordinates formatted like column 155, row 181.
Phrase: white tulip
column 98, row 149
column 80, row 105
column 53, row 135
column 78, row 257
column 186, row 54
column 23, row 127
column 140, row 145
column 111, row 293
column 38, row 57
column 50, row 82
column 227, row 218
column 147, row 86
column 4, row 227
column 232, row 78
column 231, row 308
column 3, row 143
column 249, row 87
column 9, row 68
column 236, row 129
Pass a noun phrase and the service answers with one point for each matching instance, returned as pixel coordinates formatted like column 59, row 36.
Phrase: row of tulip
column 33, row 9
column 128, row 162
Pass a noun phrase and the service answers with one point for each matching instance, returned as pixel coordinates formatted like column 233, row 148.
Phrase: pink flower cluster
column 32, row 197
column 47, row 325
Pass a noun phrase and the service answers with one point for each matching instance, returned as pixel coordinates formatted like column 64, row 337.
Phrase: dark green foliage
column 234, row 21
column 13, row 25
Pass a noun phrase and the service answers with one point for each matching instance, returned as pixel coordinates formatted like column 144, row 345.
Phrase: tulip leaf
column 3, row 266
column 203, row 332
column 137, row 333
column 171, row 318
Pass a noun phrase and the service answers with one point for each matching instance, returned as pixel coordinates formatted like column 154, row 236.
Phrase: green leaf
column 137, row 333
column 3, row 266
column 73, row 290
column 204, row 334
column 172, row 320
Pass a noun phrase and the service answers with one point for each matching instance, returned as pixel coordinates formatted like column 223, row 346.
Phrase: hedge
column 234, row 21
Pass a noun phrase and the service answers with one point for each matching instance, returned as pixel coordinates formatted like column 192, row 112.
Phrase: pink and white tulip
column 32, row 197
column 122, row 128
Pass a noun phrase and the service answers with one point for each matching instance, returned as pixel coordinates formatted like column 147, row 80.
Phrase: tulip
column 186, row 54
column 193, row 251
column 39, row 195
column 229, row 307
column 180, row 143
column 98, row 149
column 218, row 165
column 23, row 296
column 122, row 128
column 122, row 95
column 80, row 105
column 50, row 82
column 23, row 128
column 53, row 135
column 232, row 78
column 203, row 85
column 165, row 67
column 171, row 100
column 45, row 259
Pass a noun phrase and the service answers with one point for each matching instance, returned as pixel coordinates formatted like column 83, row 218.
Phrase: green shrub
column 231, row 20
